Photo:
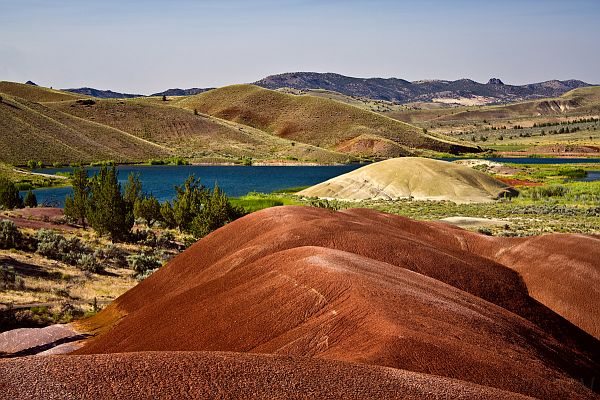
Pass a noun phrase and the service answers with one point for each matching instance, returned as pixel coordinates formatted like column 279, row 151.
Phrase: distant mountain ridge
column 403, row 91
column 182, row 92
column 109, row 94
column 103, row 94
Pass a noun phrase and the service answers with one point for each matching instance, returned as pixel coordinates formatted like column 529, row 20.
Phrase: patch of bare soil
column 38, row 218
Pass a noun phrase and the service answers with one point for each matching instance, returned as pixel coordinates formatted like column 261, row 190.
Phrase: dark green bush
column 148, row 209
column 9, row 279
column 87, row 262
column 30, row 200
column 112, row 254
column 541, row 192
column 108, row 211
column 9, row 195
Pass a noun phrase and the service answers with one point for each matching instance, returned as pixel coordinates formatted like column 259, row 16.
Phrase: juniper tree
column 148, row 208
column 9, row 195
column 30, row 199
column 133, row 189
column 76, row 205
column 108, row 211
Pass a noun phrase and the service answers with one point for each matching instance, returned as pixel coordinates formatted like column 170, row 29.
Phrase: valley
column 330, row 211
column 299, row 200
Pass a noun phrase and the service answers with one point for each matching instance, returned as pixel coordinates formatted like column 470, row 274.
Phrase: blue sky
column 148, row 46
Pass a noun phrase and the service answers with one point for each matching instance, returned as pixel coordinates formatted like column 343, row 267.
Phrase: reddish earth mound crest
column 213, row 375
column 362, row 286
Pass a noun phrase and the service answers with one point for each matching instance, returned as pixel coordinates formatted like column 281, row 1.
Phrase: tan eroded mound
column 355, row 286
column 211, row 375
column 419, row 178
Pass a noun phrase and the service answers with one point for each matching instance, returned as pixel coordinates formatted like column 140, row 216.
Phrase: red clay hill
column 296, row 302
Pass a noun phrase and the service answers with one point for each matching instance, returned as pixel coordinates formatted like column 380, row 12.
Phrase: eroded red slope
column 356, row 286
column 213, row 375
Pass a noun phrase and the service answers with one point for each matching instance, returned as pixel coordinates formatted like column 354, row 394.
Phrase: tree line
column 99, row 202
column 11, row 198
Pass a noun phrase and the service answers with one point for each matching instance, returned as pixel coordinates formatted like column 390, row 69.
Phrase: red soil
column 362, row 286
column 518, row 182
column 38, row 218
column 214, row 375
column 562, row 272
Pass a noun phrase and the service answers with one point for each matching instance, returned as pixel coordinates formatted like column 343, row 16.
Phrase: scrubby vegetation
column 198, row 210
column 111, row 211
column 70, row 251
column 9, row 195
column 10, row 236
column 143, row 264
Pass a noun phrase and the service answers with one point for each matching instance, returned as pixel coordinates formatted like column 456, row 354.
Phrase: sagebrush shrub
column 87, row 262
column 10, row 236
column 70, row 251
column 143, row 263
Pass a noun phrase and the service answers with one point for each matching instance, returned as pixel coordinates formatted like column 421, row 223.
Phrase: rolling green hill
column 33, row 131
column 318, row 121
column 35, row 93
column 198, row 137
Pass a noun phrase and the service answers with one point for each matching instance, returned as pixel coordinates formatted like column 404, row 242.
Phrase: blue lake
column 591, row 176
column 236, row 181
column 160, row 180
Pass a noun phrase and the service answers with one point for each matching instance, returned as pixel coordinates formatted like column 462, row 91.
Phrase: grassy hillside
column 317, row 121
column 198, row 137
column 568, row 124
column 360, row 102
column 36, row 93
column 34, row 131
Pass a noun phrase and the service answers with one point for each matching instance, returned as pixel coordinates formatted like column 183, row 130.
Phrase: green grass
column 508, row 147
column 570, row 193
column 291, row 190
column 257, row 201
column 553, row 173
column 26, row 180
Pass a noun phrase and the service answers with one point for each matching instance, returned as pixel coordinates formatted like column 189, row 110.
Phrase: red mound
column 212, row 375
column 562, row 272
column 357, row 286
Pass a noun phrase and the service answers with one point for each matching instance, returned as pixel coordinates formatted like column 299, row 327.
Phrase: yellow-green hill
column 33, row 131
column 198, row 137
column 318, row 121
column 412, row 177
column 35, row 93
